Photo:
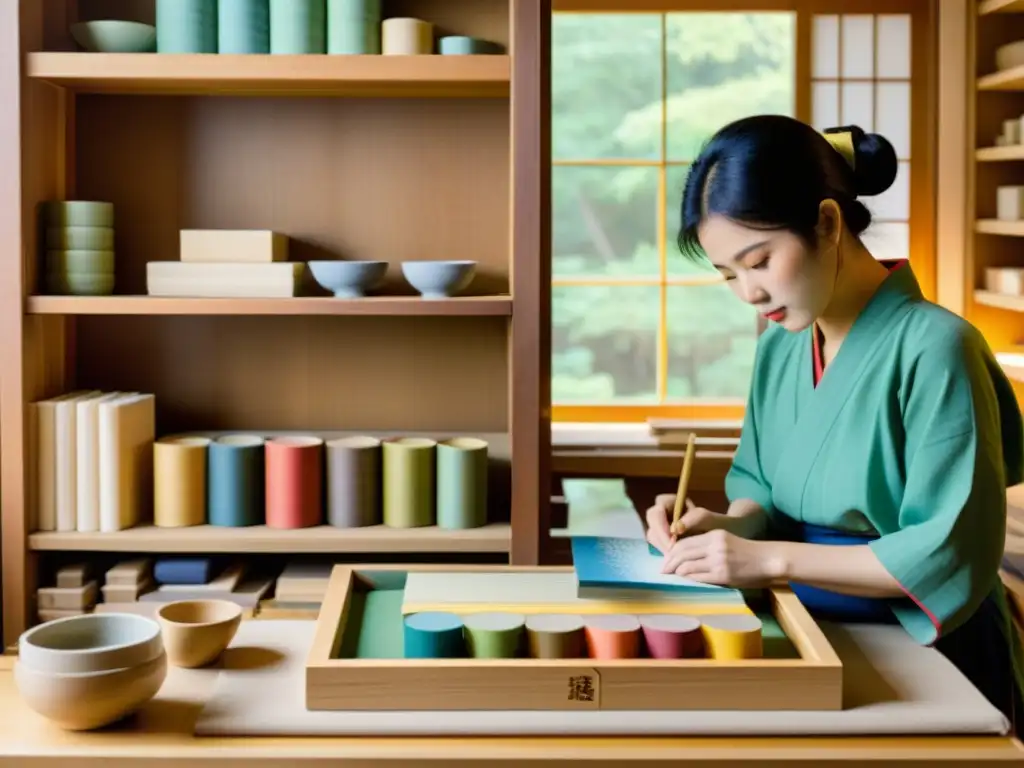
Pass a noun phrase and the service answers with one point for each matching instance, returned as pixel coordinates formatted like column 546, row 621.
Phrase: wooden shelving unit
column 994, row 96
column 459, row 306
column 224, row 75
column 323, row 539
column 380, row 157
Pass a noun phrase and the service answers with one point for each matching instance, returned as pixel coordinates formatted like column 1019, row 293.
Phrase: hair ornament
column 841, row 140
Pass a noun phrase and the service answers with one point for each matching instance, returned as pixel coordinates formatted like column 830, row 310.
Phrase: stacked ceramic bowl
column 79, row 247
column 84, row 672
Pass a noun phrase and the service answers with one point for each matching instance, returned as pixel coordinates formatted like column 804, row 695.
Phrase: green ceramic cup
column 408, row 470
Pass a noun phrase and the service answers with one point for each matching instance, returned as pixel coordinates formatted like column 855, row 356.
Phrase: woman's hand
column 720, row 557
column 694, row 520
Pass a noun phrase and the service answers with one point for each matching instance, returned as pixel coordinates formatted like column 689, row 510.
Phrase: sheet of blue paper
column 603, row 562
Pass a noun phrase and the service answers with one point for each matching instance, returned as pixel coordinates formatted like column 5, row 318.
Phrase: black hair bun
column 875, row 164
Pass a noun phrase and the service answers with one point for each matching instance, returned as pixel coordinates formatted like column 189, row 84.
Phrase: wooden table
column 161, row 736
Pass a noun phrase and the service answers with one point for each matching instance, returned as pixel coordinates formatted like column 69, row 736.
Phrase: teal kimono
column 907, row 444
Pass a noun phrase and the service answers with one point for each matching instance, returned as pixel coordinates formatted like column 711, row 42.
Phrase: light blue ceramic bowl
column 439, row 279
column 348, row 279
column 115, row 36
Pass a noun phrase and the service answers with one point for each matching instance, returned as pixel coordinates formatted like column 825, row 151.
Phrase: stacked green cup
column 79, row 253
column 353, row 26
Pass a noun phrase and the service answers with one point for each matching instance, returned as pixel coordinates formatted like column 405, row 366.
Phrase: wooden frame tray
column 339, row 676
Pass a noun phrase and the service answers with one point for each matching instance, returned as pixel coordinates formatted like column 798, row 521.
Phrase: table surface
column 161, row 735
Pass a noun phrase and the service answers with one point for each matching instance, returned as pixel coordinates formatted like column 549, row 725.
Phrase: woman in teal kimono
column 880, row 434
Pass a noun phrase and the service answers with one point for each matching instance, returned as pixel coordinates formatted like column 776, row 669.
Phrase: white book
column 87, row 454
column 54, row 461
column 126, row 427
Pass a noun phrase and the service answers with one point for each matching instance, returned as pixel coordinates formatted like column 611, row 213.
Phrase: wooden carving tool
column 677, row 529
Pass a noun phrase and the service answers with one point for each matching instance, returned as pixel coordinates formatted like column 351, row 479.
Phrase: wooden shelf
column 275, row 75
column 495, row 537
column 1011, row 79
column 999, row 227
column 986, row 7
column 993, row 154
column 371, row 305
column 1000, row 300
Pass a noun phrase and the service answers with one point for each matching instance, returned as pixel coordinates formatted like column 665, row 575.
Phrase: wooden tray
column 339, row 677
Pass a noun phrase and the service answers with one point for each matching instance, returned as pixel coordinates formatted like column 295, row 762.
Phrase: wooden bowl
column 94, row 642
column 196, row 632
column 85, row 700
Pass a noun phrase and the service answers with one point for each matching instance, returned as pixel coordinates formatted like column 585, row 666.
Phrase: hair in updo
column 773, row 172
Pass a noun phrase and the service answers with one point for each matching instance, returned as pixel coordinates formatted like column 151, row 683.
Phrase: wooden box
column 340, row 676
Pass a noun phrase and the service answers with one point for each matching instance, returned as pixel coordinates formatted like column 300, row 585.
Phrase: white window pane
column 893, row 40
column 858, row 46
column 893, row 116
column 857, row 108
column 888, row 240
column 825, row 105
column 826, row 47
column 894, row 203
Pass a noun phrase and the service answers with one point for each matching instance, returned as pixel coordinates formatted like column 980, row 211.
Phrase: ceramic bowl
column 348, row 279
column 93, row 642
column 78, row 213
column 196, row 632
column 80, row 283
column 115, row 36
column 85, row 700
column 80, row 261
column 80, row 238
column 438, row 279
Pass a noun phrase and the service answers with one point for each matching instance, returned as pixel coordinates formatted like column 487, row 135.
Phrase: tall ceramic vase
column 298, row 26
column 244, row 26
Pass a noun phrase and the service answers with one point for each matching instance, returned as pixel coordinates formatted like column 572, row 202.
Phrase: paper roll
column 409, row 477
column 433, row 635
column 179, row 481
column 298, row 26
column 353, row 26
column 556, row 636
column 613, row 636
column 732, row 637
column 294, row 471
column 186, row 26
column 672, row 636
column 353, row 482
column 494, row 635
column 406, row 37
column 243, row 26
column 235, row 481
column 461, row 483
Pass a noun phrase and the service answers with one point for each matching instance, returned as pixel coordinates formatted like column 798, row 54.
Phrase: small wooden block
column 131, row 572
column 67, row 598
column 77, row 575
column 126, row 593
column 51, row 614
column 233, row 245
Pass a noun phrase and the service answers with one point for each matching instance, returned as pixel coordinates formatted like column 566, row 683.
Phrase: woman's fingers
column 657, row 528
column 684, row 550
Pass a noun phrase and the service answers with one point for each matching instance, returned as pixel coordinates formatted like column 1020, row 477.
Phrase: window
column 638, row 330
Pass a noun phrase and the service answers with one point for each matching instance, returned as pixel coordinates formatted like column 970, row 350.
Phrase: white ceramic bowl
column 348, row 279
column 438, row 279
column 93, row 642
column 115, row 36
column 86, row 700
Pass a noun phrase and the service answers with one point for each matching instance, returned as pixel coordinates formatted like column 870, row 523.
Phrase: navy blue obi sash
column 833, row 605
